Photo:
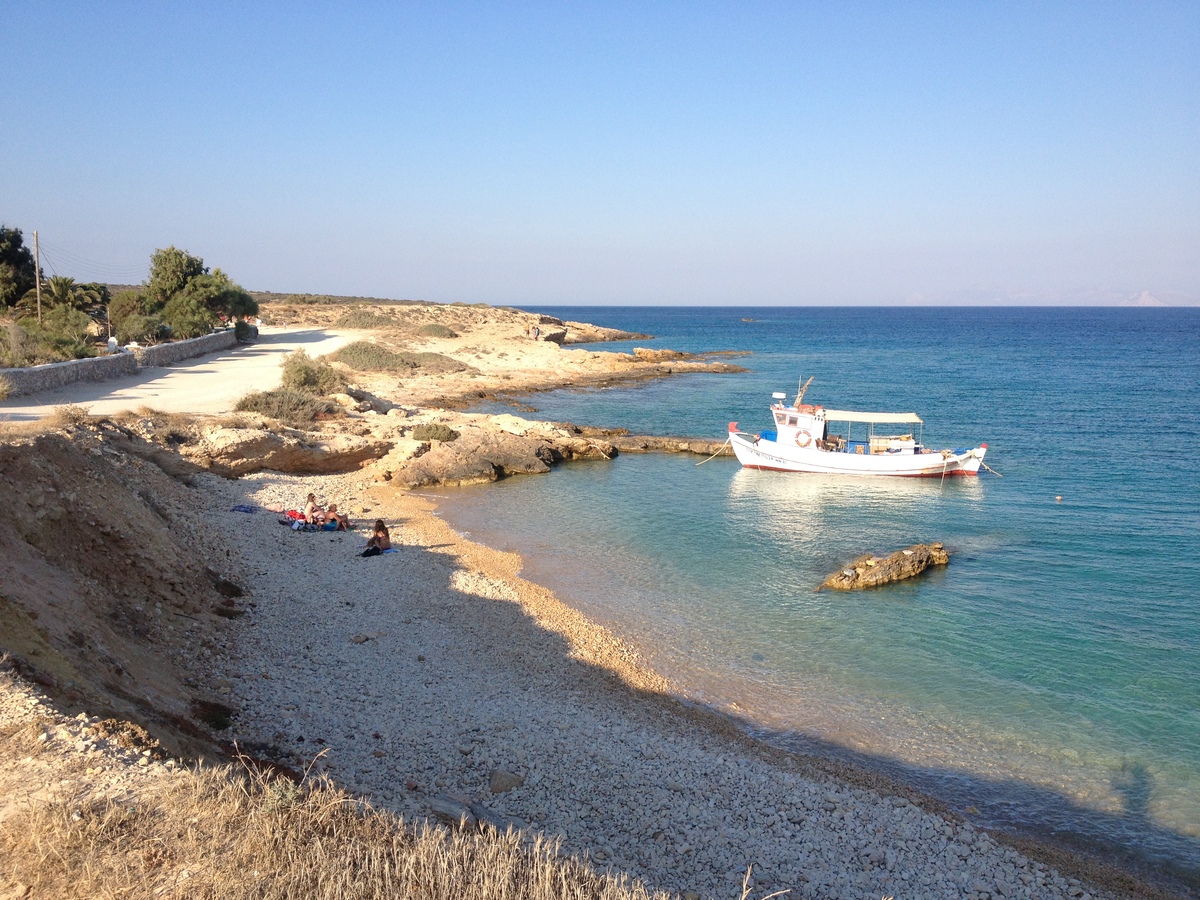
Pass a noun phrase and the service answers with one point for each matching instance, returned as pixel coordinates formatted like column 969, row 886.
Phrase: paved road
column 209, row 384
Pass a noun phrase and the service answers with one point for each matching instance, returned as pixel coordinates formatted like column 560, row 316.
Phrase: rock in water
column 870, row 571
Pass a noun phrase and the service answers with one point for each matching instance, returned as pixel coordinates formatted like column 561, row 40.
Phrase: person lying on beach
column 313, row 514
column 334, row 520
column 381, row 540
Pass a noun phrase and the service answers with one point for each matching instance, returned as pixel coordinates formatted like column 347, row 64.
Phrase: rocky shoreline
column 435, row 681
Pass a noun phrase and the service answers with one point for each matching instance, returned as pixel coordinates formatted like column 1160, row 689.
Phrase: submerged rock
column 871, row 571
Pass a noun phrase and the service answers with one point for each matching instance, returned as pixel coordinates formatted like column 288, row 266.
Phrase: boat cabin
column 807, row 426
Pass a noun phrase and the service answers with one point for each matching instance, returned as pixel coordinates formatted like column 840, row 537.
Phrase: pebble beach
column 435, row 682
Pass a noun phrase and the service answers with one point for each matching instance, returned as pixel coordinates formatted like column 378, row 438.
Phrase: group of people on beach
column 329, row 519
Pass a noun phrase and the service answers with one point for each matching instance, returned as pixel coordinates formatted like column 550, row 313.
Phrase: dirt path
column 208, row 384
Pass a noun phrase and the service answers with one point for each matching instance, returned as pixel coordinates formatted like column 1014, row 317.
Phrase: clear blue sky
column 617, row 153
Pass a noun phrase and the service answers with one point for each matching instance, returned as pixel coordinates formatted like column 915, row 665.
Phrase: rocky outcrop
column 488, row 452
column 239, row 451
column 870, row 571
column 633, row 443
column 647, row 355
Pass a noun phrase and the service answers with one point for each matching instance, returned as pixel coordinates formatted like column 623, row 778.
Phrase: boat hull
column 762, row 453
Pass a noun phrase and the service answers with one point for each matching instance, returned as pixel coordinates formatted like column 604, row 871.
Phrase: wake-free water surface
column 1048, row 677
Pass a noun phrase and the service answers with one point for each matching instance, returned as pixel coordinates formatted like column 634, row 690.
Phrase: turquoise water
column 1048, row 678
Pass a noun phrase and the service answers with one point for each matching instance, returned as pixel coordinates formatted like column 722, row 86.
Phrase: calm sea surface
column 1049, row 677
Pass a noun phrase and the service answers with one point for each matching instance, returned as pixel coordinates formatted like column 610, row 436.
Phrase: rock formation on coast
column 872, row 571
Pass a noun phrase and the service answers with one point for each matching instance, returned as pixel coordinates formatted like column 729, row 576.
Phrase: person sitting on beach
column 379, row 541
column 334, row 520
column 313, row 514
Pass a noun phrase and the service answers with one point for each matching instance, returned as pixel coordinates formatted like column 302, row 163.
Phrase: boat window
column 779, row 417
column 792, row 420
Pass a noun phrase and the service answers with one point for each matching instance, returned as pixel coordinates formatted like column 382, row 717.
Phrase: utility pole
column 37, row 275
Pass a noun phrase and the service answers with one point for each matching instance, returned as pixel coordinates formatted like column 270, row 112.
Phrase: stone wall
column 56, row 375
column 101, row 368
column 165, row 354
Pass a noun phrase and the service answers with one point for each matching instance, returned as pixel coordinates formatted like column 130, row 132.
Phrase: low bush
column 61, row 335
column 365, row 356
column 435, row 431
column 363, row 318
column 243, row 331
column 303, row 373
column 140, row 328
column 5, row 388
column 437, row 330
column 292, row 407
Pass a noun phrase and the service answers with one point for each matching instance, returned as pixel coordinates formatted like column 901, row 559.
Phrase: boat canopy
column 845, row 415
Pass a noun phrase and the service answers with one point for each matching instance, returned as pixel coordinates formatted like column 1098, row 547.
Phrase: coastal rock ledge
column 870, row 571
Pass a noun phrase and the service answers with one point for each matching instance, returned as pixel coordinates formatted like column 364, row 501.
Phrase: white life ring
column 803, row 439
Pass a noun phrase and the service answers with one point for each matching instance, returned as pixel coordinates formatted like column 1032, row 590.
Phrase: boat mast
column 803, row 388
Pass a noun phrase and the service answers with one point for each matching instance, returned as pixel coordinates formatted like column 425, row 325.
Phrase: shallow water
column 1049, row 676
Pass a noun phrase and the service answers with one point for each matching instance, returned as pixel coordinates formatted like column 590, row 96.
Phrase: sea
column 1046, row 681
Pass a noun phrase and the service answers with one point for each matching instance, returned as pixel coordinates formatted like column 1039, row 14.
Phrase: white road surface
column 209, row 384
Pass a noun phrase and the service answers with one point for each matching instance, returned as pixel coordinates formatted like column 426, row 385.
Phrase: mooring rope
column 990, row 469
column 715, row 455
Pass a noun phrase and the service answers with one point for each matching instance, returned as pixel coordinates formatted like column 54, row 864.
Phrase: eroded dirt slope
column 109, row 586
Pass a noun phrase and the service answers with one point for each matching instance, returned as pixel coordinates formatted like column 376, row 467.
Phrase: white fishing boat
column 811, row 438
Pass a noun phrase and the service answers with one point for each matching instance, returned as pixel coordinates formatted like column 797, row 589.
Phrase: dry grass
column 219, row 833
column 5, row 388
column 70, row 414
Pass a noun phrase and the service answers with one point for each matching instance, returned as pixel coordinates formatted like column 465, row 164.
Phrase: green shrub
column 363, row 318
column 290, row 406
column 244, row 331
column 434, row 432
column 187, row 317
column 139, row 327
column 124, row 305
column 365, row 356
column 302, row 373
column 437, row 330
column 61, row 335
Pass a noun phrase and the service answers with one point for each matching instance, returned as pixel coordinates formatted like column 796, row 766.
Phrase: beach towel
column 243, row 508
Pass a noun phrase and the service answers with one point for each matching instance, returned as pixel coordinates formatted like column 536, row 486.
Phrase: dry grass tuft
column 70, row 414
column 219, row 833
column 5, row 388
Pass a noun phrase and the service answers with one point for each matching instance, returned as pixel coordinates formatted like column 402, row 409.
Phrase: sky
column 694, row 153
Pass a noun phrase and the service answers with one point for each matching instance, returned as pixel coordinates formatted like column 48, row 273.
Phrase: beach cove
column 438, row 678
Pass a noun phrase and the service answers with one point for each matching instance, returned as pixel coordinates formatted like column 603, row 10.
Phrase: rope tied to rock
column 715, row 455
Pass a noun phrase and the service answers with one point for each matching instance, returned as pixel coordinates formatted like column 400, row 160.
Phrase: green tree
column 123, row 305
column 220, row 294
column 187, row 316
column 17, row 271
column 170, row 271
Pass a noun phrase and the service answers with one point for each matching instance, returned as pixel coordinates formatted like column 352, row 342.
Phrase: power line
column 106, row 271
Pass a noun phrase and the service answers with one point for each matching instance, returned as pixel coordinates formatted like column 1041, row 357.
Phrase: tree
column 170, row 271
column 126, row 304
column 17, row 271
column 220, row 294
column 187, row 316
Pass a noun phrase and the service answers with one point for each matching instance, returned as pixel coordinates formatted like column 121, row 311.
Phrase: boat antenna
column 803, row 388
